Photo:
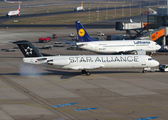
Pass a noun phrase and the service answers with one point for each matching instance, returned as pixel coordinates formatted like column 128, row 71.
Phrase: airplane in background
column 112, row 47
column 14, row 13
column 80, row 8
column 12, row 1
column 152, row 11
column 84, row 62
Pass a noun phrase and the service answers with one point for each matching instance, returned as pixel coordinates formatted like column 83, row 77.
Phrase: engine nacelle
column 60, row 62
column 141, row 52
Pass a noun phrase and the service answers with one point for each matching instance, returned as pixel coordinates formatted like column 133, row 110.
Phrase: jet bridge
column 138, row 27
column 157, row 35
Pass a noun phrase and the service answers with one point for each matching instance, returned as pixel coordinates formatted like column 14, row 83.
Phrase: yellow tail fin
column 82, row 4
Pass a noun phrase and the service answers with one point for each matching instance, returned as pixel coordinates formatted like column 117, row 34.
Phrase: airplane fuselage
column 79, row 9
column 13, row 13
column 119, row 46
column 82, row 62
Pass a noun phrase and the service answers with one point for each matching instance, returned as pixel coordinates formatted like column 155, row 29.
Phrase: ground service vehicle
column 54, row 36
column 99, row 33
column 58, row 44
column 48, row 39
column 163, row 67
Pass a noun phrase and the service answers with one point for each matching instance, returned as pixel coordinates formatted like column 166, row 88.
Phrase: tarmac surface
column 27, row 92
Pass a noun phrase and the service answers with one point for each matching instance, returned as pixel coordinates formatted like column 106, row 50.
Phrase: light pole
column 140, row 8
column 123, row 10
column 114, row 10
column 106, row 11
column 167, row 6
column 89, row 12
column 130, row 10
column 97, row 12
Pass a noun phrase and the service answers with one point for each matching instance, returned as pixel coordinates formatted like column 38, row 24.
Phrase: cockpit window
column 150, row 58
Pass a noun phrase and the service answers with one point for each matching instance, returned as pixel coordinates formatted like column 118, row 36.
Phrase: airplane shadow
column 66, row 74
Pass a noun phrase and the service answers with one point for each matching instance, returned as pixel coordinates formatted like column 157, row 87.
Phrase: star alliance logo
column 28, row 51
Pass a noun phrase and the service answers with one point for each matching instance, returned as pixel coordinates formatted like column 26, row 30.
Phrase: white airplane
column 14, row 13
column 112, row 47
column 152, row 11
column 79, row 8
column 12, row 1
column 84, row 62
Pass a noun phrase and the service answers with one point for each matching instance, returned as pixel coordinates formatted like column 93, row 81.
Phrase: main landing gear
column 146, row 69
column 86, row 72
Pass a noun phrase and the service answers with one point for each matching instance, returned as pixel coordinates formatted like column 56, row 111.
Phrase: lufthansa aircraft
column 118, row 46
column 84, row 62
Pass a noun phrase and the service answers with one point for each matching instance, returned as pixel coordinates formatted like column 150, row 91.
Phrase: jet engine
column 60, row 62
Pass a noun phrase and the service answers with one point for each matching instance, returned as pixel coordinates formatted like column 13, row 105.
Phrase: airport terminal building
column 157, row 26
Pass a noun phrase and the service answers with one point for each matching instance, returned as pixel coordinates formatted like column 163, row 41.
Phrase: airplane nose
column 155, row 63
column 159, row 47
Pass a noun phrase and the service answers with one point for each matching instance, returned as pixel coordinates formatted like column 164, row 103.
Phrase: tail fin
column 83, row 36
column 82, row 4
column 131, row 21
column 19, row 9
column 28, row 49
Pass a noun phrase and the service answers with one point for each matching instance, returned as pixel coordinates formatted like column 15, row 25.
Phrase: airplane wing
column 74, row 43
column 68, row 42
column 139, row 52
column 87, row 67
column 26, row 12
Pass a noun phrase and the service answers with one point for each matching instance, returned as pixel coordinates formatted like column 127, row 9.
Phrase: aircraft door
column 143, row 62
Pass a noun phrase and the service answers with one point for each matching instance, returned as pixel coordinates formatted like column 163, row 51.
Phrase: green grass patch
column 82, row 16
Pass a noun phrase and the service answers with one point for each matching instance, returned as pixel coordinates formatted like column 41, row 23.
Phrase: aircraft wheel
column 88, row 73
column 144, row 71
column 83, row 72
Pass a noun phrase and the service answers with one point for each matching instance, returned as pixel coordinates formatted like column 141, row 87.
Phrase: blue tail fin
column 83, row 36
